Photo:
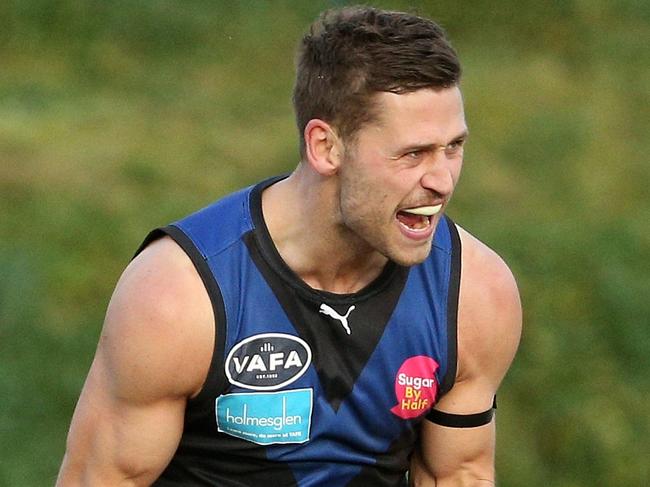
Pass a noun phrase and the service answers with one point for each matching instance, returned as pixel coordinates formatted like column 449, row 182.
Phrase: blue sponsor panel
column 266, row 418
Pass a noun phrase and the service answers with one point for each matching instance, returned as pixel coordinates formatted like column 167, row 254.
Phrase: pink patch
column 415, row 387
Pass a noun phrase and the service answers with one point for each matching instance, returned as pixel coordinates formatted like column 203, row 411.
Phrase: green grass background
column 119, row 116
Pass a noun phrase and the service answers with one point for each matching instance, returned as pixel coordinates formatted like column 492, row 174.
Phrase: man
column 327, row 328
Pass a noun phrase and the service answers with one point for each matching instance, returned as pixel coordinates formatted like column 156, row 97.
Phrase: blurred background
column 117, row 117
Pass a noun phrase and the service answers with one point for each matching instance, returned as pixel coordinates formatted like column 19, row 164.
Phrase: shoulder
column 484, row 271
column 489, row 314
column 159, row 317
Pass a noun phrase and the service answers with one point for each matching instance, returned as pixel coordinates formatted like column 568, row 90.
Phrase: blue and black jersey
column 308, row 387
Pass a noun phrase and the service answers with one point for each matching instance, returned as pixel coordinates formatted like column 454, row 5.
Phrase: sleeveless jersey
column 306, row 387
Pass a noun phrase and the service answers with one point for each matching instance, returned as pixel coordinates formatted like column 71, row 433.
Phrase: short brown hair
column 350, row 54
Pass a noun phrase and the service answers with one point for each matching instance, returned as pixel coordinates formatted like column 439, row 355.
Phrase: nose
column 441, row 175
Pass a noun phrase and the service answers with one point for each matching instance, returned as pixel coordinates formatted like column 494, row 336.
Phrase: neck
column 302, row 216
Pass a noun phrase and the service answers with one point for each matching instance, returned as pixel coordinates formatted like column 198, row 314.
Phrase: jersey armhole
column 453, row 293
column 215, row 381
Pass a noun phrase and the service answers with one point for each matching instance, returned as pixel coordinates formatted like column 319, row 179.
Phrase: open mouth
column 417, row 219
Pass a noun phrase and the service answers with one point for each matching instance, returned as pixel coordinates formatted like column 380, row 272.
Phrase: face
column 398, row 175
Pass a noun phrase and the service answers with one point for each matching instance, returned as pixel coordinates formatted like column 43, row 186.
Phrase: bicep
column 116, row 437
column 153, row 354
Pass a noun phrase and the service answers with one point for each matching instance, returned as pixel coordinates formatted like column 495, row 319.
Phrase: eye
column 414, row 155
column 455, row 147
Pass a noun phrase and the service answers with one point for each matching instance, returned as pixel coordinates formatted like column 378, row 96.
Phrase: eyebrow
column 433, row 147
column 463, row 135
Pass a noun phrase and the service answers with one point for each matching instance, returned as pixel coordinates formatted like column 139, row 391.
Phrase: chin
column 408, row 259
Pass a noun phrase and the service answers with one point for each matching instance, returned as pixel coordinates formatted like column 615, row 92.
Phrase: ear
column 322, row 147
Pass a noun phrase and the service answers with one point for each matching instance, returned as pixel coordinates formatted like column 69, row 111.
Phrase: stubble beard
column 367, row 226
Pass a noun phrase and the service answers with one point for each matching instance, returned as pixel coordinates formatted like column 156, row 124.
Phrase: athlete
column 328, row 327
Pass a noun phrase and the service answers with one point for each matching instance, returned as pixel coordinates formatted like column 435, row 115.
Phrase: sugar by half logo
column 266, row 417
column 415, row 387
column 267, row 361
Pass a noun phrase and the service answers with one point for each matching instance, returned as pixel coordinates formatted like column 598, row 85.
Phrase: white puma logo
column 329, row 311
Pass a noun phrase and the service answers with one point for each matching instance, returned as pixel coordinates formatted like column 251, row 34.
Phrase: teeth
column 424, row 210
column 421, row 226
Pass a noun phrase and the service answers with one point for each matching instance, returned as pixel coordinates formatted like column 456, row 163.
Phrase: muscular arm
column 489, row 328
column 153, row 353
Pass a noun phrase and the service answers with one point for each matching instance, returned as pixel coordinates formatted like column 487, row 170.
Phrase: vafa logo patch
column 267, row 361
